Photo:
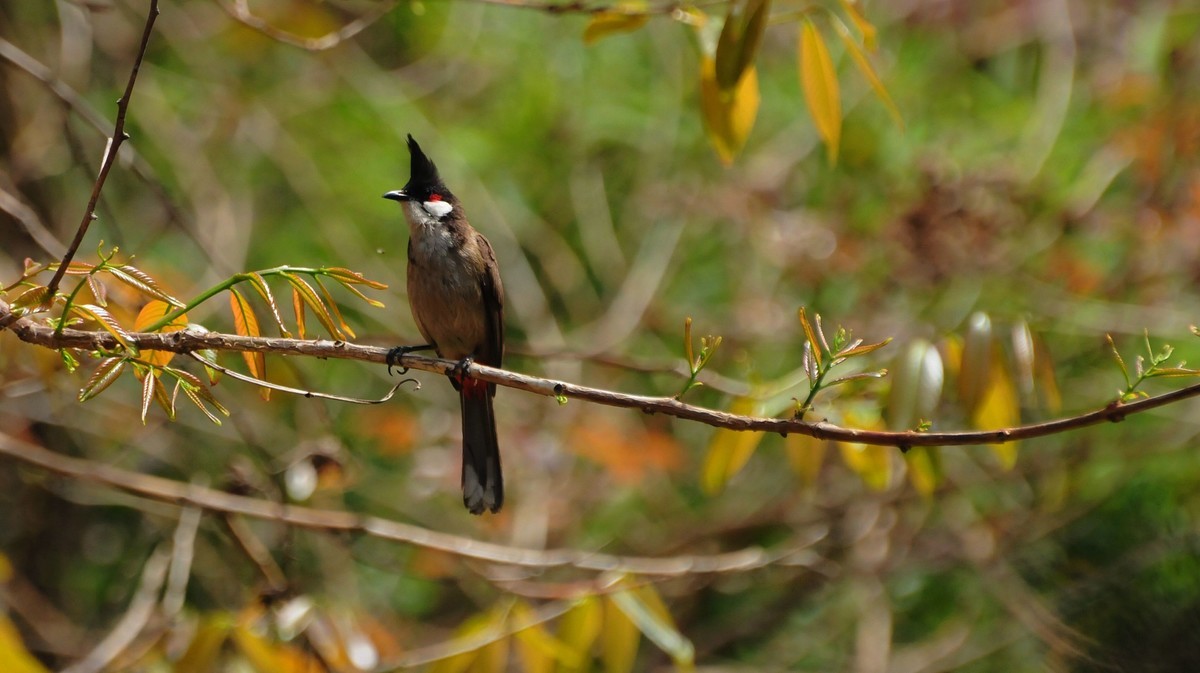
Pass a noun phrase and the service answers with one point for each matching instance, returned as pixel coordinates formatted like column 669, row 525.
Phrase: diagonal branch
column 186, row 495
column 187, row 341
column 119, row 136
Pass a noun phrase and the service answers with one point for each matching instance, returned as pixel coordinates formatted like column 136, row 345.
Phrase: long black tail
column 482, row 484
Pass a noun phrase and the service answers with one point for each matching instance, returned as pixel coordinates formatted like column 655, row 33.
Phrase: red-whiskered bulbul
column 457, row 302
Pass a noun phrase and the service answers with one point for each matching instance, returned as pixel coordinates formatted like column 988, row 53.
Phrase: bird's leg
column 459, row 373
column 394, row 355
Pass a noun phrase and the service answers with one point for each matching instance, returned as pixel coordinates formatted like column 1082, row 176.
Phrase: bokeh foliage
column 1046, row 179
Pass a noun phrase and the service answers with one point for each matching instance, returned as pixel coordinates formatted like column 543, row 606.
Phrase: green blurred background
column 1047, row 176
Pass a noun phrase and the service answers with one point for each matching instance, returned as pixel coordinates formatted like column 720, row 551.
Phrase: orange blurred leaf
column 628, row 454
column 269, row 657
column 152, row 312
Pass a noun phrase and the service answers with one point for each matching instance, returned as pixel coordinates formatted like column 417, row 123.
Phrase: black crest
column 424, row 172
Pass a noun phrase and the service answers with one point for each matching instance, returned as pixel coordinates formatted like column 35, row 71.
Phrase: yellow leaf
column 246, row 324
column 152, row 312
column 924, row 468
column 728, row 115
column 620, row 639
column 623, row 17
column 873, row 464
column 643, row 606
column 999, row 408
column 14, row 658
column 819, row 81
column 537, row 648
column 805, row 454
column 578, row 630
column 204, row 649
column 864, row 66
column 1050, row 396
column 268, row 657
column 483, row 651
column 107, row 322
column 729, row 449
column 865, row 28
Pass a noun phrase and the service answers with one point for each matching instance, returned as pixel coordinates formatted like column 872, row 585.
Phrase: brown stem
column 186, row 341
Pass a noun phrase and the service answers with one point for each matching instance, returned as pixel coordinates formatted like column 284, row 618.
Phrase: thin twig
column 299, row 391
column 258, row 554
column 80, row 105
column 118, row 137
column 186, row 341
column 193, row 495
column 141, row 609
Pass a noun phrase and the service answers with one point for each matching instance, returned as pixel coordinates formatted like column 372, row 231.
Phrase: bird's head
column 425, row 188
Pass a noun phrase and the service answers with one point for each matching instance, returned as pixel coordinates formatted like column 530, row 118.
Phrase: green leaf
column 142, row 281
column 348, row 277
column 102, row 317
column 314, row 303
column 264, row 291
column 109, row 370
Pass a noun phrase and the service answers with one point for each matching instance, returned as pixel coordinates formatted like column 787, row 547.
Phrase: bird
column 457, row 301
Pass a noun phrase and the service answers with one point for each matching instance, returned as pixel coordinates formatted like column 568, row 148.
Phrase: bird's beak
column 397, row 195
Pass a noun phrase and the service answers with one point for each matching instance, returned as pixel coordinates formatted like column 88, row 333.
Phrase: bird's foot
column 394, row 356
column 459, row 372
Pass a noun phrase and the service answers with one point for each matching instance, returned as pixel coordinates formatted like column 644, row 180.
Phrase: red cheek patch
column 435, row 197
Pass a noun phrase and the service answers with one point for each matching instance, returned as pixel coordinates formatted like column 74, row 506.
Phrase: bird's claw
column 459, row 372
column 395, row 354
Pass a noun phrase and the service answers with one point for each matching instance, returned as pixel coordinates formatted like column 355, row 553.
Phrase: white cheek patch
column 438, row 209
